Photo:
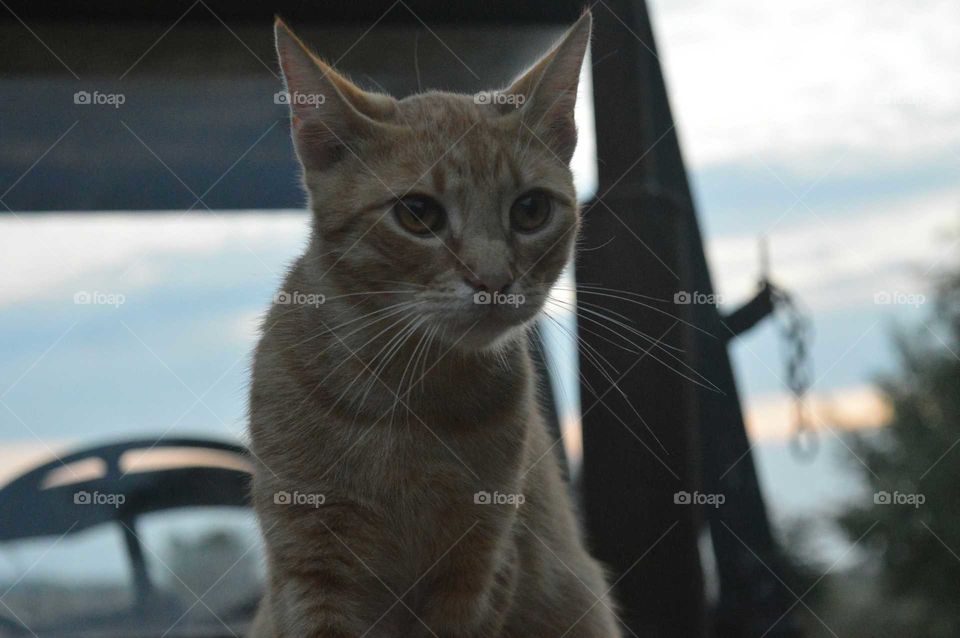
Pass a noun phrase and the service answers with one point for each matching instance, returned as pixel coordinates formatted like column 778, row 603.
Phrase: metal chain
column 797, row 331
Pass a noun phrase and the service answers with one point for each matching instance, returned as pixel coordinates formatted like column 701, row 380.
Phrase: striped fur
column 378, row 416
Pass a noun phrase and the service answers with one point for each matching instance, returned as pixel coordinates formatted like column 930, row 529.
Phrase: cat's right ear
column 329, row 114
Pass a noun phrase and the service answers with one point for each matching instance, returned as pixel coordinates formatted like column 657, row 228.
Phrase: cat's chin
column 489, row 335
column 482, row 342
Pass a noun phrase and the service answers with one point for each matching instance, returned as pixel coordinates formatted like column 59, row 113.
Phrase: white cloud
column 805, row 81
column 52, row 255
column 844, row 260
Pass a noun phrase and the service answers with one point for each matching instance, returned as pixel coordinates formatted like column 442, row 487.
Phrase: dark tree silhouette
column 913, row 517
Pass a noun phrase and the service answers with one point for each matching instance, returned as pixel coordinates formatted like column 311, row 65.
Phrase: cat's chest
column 425, row 465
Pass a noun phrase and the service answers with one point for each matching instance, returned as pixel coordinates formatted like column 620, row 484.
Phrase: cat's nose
column 489, row 282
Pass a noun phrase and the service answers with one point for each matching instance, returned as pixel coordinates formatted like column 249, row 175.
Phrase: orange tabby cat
column 405, row 481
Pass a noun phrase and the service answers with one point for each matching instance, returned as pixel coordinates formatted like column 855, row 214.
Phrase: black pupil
column 420, row 215
column 531, row 210
column 530, row 207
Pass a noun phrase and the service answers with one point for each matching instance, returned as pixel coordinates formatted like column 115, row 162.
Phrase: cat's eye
column 530, row 211
column 419, row 214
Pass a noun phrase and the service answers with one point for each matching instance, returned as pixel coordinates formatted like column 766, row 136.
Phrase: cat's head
column 463, row 205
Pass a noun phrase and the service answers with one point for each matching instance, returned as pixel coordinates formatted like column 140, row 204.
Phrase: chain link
column 796, row 331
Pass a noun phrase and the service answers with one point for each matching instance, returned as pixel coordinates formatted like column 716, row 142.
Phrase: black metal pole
column 639, row 450
column 685, row 435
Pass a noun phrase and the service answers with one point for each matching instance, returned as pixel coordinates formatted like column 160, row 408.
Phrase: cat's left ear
column 548, row 90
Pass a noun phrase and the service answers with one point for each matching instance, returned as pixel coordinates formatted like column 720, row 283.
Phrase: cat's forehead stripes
column 480, row 159
column 469, row 141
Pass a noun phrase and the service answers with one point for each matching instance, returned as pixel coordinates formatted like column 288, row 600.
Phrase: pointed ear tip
column 585, row 21
column 280, row 28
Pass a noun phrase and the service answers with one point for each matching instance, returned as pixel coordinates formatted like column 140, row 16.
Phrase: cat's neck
column 352, row 366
